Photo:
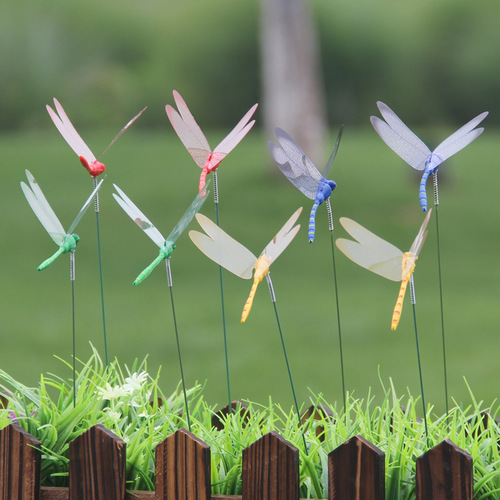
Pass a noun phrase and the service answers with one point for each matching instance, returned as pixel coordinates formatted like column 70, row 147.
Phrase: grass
column 374, row 188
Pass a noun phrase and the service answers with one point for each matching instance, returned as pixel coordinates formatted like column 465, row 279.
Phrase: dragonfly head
column 167, row 249
column 70, row 242
column 325, row 189
column 95, row 169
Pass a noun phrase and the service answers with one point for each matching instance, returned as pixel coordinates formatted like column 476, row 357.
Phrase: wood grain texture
column 19, row 464
column 356, row 470
column 444, row 473
column 270, row 469
column 183, row 468
column 97, row 466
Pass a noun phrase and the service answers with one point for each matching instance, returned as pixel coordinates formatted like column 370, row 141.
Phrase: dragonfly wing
column 334, row 153
column 419, row 240
column 461, row 138
column 400, row 138
column 222, row 249
column 237, row 134
column 189, row 214
column 84, row 208
column 138, row 217
column 43, row 210
column 295, row 164
column 283, row 238
column 188, row 131
column 69, row 133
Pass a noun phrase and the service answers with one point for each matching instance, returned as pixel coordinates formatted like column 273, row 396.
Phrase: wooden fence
column 270, row 470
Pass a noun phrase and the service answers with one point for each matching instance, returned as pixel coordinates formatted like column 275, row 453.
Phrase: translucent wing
column 138, row 217
column 238, row 132
column 370, row 251
column 69, row 133
column 461, row 138
column 295, row 164
column 43, row 210
column 221, row 248
column 283, row 238
column 334, row 153
column 400, row 138
column 188, row 130
column 189, row 214
column 84, row 208
column 419, row 240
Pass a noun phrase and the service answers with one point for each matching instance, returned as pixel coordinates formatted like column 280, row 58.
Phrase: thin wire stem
column 72, row 276
column 341, row 351
column 436, row 205
column 169, row 283
column 103, row 309
column 413, row 302
column 228, row 383
column 273, row 299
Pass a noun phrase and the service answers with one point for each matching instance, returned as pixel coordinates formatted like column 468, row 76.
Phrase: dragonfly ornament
column 302, row 173
column 414, row 152
column 166, row 245
column 93, row 166
column 233, row 256
column 383, row 258
column 66, row 240
column 195, row 141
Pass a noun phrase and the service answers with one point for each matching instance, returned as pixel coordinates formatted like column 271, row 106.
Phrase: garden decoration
column 414, row 152
column 67, row 241
column 218, row 246
column 167, row 247
column 94, row 168
column 197, row 145
column 386, row 260
column 302, row 173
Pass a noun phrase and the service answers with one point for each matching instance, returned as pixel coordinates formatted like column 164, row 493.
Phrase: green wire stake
column 72, row 279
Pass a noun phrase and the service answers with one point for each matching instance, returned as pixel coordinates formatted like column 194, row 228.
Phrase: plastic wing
column 69, row 133
column 400, row 138
column 334, row 153
column 84, row 208
column 188, row 130
column 237, row 134
column 222, row 249
column 461, row 138
column 370, row 251
column 138, row 217
column 295, row 164
column 283, row 238
column 190, row 213
column 43, row 210
column 419, row 240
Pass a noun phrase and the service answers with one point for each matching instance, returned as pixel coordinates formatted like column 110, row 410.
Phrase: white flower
column 114, row 416
column 110, row 392
column 135, row 382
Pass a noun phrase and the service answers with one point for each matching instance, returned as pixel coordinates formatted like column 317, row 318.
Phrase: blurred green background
column 435, row 63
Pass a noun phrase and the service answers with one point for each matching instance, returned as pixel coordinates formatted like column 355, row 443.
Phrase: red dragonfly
column 195, row 141
column 76, row 143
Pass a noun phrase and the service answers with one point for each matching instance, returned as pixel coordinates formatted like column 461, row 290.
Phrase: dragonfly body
column 166, row 245
column 383, row 258
column 233, row 256
column 195, row 141
column 302, row 173
column 414, row 152
column 66, row 241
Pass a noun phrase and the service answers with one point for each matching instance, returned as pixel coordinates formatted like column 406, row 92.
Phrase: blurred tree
column 292, row 91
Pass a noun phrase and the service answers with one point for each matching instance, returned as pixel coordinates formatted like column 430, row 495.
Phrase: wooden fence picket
column 444, row 473
column 270, row 469
column 19, row 464
column 356, row 470
column 97, row 466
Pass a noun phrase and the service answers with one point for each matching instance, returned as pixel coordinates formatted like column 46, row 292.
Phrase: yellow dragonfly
column 383, row 258
column 228, row 253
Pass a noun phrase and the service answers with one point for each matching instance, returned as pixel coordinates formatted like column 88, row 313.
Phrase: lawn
column 374, row 187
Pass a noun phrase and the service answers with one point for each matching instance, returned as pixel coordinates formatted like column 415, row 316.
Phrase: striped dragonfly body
column 414, row 151
column 261, row 269
column 383, row 258
column 165, row 253
column 69, row 245
column 302, row 173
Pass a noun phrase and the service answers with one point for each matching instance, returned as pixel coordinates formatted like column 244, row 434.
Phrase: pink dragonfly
column 195, row 141
column 76, row 143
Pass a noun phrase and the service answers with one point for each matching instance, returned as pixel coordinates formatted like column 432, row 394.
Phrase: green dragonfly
column 67, row 241
column 167, row 245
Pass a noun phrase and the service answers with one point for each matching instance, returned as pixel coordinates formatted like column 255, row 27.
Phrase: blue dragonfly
column 302, row 173
column 414, row 152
